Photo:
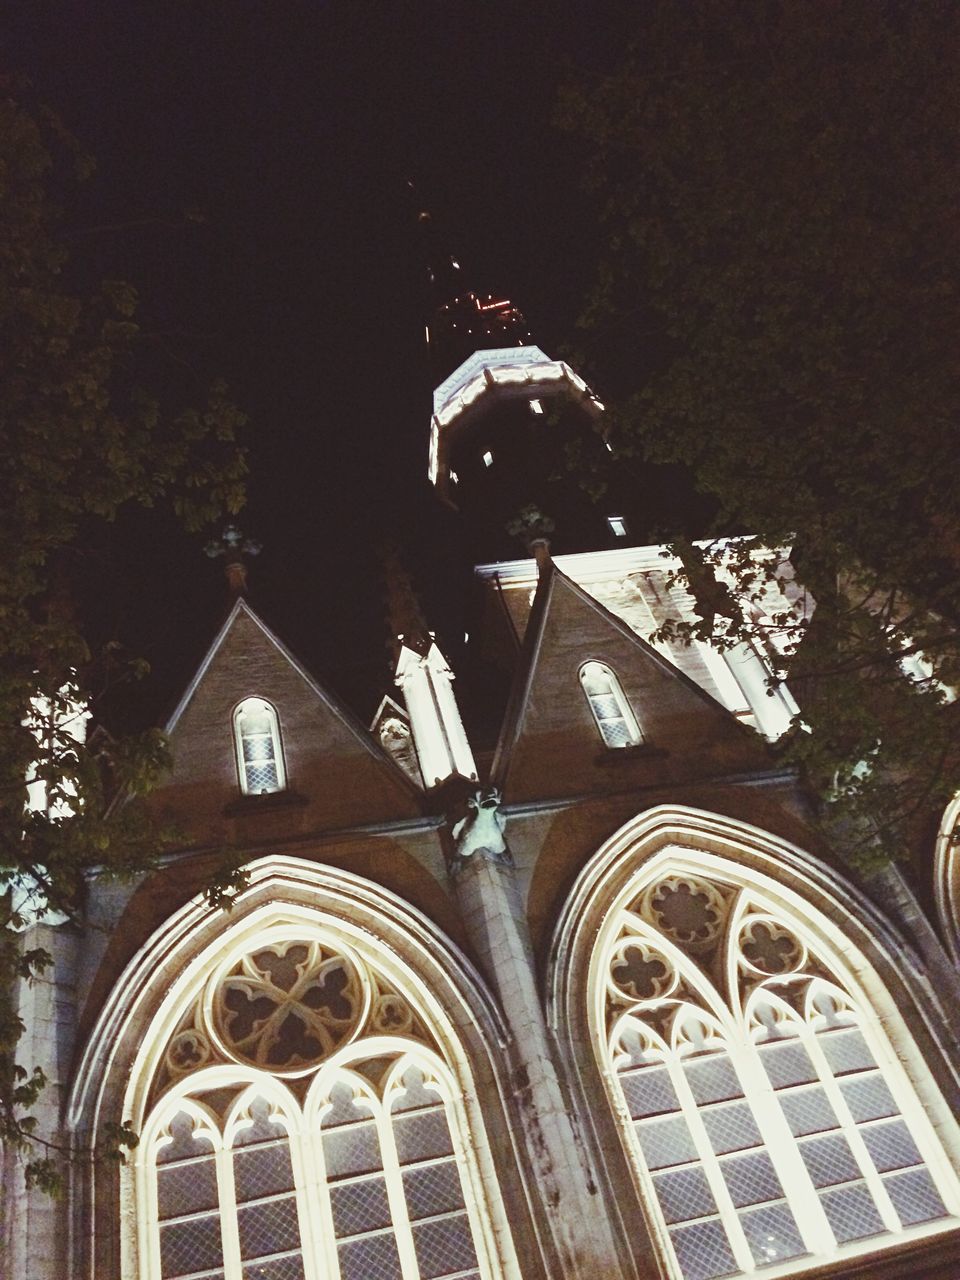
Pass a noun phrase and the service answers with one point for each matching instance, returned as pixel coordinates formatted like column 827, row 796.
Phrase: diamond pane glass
column 262, row 1171
column 846, row 1051
column 808, row 1111
column 712, row 1079
column 270, row 1226
column 666, row 1142
column 868, row 1098
column 703, row 1251
column 829, row 1160
column 257, row 747
column 433, row 1189
column 422, row 1135
column 914, row 1197
column 787, row 1062
column 891, row 1146
column 289, row 1268
column 731, row 1127
column 187, row 1188
column 605, row 706
column 360, row 1206
column 444, row 1246
column 684, row 1194
column 772, row 1234
column 262, row 777
column 353, row 1149
column 374, row 1258
column 751, row 1179
column 851, row 1212
column 649, row 1091
column 616, row 732
column 190, row 1246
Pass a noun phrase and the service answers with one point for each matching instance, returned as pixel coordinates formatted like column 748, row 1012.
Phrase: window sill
column 265, row 803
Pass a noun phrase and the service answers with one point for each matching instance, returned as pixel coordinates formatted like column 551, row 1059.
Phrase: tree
column 776, row 308
column 80, row 439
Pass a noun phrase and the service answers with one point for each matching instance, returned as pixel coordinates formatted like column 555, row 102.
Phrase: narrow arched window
column 259, row 753
column 611, row 712
column 304, row 1126
column 764, row 1113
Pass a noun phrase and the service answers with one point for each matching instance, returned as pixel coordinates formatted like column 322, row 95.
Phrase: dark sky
column 290, row 127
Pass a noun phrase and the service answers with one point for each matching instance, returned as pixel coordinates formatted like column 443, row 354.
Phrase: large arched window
column 259, row 752
column 767, row 1121
column 303, row 1124
column 612, row 714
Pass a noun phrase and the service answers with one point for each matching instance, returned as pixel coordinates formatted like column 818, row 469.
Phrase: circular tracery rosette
column 691, row 911
column 287, row 1005
column 766, row 948
column 639, row 972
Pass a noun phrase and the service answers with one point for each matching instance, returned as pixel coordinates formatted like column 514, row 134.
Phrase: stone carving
column 480, row 833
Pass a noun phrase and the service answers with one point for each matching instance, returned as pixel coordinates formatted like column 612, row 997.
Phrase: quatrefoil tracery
column 288, row 1005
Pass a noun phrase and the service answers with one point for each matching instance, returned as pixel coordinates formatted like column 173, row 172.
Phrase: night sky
column 290, row 128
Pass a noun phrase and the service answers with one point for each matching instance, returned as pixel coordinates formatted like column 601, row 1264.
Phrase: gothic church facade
column 589, row 1000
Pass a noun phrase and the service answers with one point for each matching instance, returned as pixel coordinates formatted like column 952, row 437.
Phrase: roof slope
column 550, row 745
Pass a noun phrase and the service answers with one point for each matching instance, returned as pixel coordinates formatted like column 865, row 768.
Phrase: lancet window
column 612, row 714
column 304, row 1125
column 259, row 752
column 767, row 1120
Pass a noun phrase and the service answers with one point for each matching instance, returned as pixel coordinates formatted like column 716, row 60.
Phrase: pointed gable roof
column 338, row 774
column 550, row 745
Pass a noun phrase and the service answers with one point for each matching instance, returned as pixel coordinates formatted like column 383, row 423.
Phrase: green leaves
column 778, row 189
column 83, row 433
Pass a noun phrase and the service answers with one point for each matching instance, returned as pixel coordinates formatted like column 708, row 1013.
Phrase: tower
column 587, row 998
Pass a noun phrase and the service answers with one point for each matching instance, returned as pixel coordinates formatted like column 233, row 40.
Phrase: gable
column 551, row 745
column 337, row 775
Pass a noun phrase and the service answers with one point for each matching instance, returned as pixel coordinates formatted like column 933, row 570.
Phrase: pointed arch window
column 612, row 713
column 259, row 750
column 304, row 1125
column 765, row 1116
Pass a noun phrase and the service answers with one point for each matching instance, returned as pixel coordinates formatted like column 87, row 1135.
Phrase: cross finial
column 233, row 545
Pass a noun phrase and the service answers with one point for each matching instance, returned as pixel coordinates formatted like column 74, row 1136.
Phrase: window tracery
column 259, row 754
column 766, row 1120
column 303, row 1125
column 612, row 714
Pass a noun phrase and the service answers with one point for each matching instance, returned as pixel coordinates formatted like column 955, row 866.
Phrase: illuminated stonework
column 765, row 1116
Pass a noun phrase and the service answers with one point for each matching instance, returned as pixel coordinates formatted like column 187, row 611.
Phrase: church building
column 553, row 983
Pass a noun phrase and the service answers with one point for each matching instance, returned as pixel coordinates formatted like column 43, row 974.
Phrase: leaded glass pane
column 422, row 1135
column 360, row 1206
column 262, row 777
column 684, row 1194
column 868, row 1098
column 605, row 706
column 269, row 1226
column 432, row 1189
column 187, row 1188
column 731, row 1127
column 703, row 1251
column 891, row 1146
column 666, row 1142
column 851, row 1212
column 289, row 1268
column 808, row 1111
column 616, row 732
column 787, row 1063
column 262, row 1171
column 846, row 1051
column 444, row 1246
column 193, row 1245
column 914, row 1197
column 772, row 1234
column 712, row 1079
column 351, row 1149
column 751, row 1179
column 649, row 1091
column 373, row 1258
column 829, row 1159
